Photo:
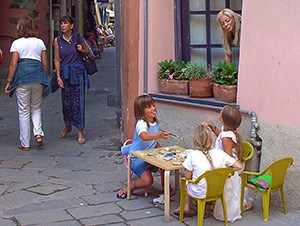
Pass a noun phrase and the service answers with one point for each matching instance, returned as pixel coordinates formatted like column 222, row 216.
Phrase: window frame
column 182, row 30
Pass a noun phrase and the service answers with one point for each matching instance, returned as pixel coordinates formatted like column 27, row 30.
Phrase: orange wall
column 130, row 62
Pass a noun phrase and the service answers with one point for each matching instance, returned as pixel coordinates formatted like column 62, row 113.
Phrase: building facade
column 267, row 85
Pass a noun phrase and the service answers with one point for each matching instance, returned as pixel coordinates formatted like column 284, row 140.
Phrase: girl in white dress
column 230, row 141
column 201, row 160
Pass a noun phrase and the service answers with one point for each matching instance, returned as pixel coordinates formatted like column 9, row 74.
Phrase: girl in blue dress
column 72, row 78
column 145, row 137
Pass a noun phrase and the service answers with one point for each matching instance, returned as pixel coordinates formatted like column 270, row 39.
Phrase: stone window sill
column 210, row 103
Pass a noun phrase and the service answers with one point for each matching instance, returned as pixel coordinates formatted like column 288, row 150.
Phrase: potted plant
column 172, row 78
column 199, row 79
column 225, row 77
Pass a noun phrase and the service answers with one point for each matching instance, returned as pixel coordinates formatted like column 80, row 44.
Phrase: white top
column 199, row 164
column 141, row 126
column 219, row 143
column 29, row 48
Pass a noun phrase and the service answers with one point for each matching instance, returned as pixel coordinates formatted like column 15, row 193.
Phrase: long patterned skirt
column 73, row 104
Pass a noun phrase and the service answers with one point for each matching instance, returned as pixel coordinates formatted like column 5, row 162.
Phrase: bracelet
column 8, row 81
column 58, row 79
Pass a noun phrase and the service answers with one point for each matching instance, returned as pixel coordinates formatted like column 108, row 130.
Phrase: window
column 200, row 36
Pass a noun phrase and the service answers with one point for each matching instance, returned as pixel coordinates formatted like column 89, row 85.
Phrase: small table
column 156, row 158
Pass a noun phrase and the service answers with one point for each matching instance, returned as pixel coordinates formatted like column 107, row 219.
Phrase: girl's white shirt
column 219, row 143
column 28, row 48
column 199, row 164
column 141, row 126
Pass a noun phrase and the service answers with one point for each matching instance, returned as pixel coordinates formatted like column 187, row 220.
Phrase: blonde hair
column 203, row 141
column 227, row 37
column 232, row 119
column 26, row 28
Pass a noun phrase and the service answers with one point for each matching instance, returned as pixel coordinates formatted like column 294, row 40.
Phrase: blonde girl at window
column 230, row 25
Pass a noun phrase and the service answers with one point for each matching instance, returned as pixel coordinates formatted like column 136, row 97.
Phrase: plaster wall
column 269, row 61
column 160, row 38
column 269, row 81
column 130, row 62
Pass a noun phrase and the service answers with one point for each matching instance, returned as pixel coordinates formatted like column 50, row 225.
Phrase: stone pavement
column 66, row 184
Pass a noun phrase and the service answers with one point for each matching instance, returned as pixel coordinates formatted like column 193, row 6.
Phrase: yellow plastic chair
column 215, row 180
column 278, row 171
column 248, row 151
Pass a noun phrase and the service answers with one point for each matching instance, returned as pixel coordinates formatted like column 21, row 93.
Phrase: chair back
column 278, row 171
column 248, row 151
column 125, row 149
column 215, row 180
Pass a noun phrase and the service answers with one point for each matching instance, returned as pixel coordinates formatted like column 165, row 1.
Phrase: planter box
column 225, row 93
column 201, row 88
column 179, row 87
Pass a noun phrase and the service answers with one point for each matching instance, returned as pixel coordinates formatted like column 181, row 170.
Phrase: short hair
column 227, row 38
column 231, row 117
column 68, row 19
column 140, row 103
column 26, row 28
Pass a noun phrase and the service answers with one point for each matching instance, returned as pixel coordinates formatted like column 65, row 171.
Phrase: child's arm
column 213, row 127
column 237, row 165
column 154, row 136
column 188, row 174
column 228, row 145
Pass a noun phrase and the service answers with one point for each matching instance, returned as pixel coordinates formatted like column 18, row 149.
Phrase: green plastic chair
column 215, row 180
column 248, row 151
column 278, row 171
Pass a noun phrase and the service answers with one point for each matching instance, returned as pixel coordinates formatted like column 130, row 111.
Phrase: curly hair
column 26, row 28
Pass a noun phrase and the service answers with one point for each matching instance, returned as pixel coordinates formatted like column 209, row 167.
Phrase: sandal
column 186, row 213
column 81, row 139
column 39, row 140
column 66, row 130
column 121, row 194
column 24, row 148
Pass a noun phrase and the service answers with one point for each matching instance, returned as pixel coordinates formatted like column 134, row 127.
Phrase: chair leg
column 200, row 212
column 283, row 200
column 181, row 201
column 224, row 210
column 242, row 199
column 266, row 203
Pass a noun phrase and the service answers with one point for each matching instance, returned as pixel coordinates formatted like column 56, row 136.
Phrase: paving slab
column 42, row 217
column 94, row 211
column 142, row 213
column 102, row 220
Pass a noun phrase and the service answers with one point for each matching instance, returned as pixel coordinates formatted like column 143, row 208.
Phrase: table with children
column 166, row 158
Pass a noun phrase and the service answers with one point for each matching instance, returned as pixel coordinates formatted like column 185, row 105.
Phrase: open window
column 200, row 38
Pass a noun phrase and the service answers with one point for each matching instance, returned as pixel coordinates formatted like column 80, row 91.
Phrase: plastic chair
column 215, row 180
column 125, row 149
column 248, row 151
column 278, row 171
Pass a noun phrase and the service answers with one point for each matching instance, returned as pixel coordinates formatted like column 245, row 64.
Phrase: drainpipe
column 145, row 45
column 255, row 140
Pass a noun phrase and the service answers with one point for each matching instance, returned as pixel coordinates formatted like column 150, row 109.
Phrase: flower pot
column 179, row 87
column 225, row 93
column 201, row 88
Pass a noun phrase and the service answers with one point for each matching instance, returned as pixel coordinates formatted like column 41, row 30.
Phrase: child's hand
column 206, row 124
column 164, row 134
